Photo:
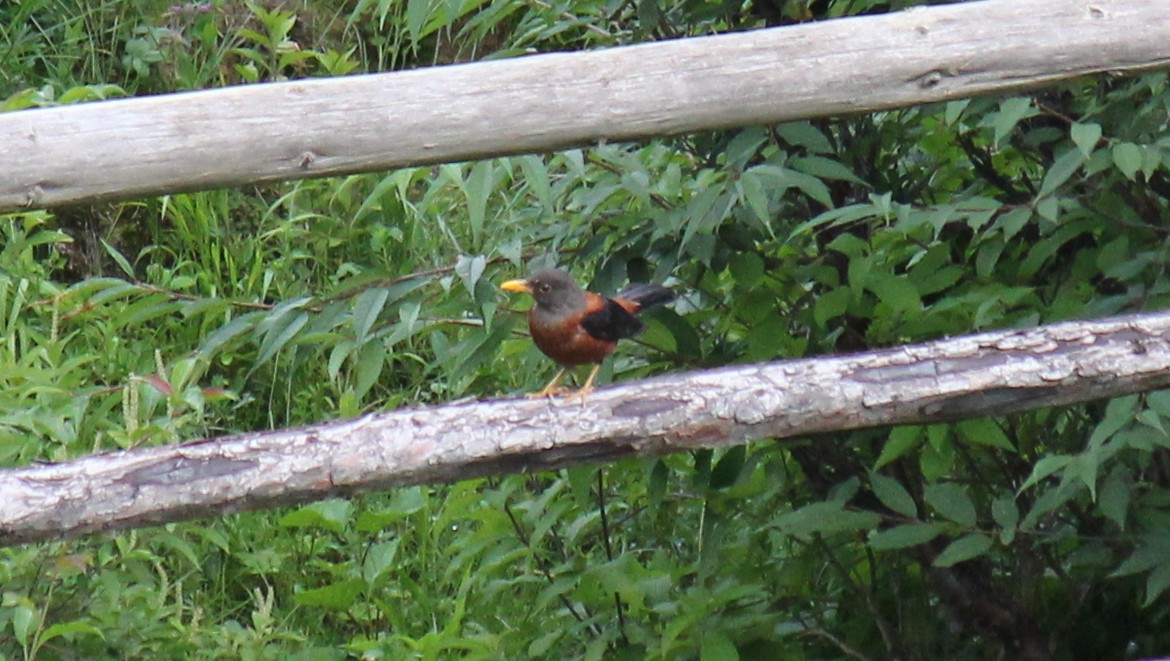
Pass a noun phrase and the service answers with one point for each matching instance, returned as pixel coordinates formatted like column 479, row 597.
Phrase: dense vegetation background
column 1039, row 535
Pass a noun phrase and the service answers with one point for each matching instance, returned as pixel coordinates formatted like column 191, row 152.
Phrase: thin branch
column 861, row 590
column 545, row 571
column 617, row 598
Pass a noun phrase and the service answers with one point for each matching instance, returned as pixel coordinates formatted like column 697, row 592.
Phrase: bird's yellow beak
column 518, row 286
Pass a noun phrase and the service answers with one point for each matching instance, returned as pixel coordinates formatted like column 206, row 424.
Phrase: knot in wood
column 931, row 79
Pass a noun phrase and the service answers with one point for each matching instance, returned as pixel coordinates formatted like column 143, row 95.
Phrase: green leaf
column 68, row 630
column 728, row 469
column 717, row 647
column 1011, row 112
column 901, row 537
column 744, row 146
column 180, row 546
column 1085, row 136
column 470, row 270
column 936, row 459
column 1152, row 420
column 478, row 189
column 1013, row 221
column 281, row 332
column 850, row 246
column 536, row 176
column 407, row 500
column 1007, row 517
column 753, row 194
column 337, row 356
column 581, row 480
column 1048, row 247
column 1114, row 254
column 812, row 187
column 747, row 268
column 380, row 559
column 1156, row 584
column 704, row 212
column 417, row 12
column 119, row 259
column 366, row 309
column 988, row 257
column 1159, row 401
column 331, row 515
column 903, row 439
column 825, row 168
column 1049, row 209
column 1114, row 498
column 786, row 177
column 371, row 359
column 897, row 292
column 835, row 218
column 1050, row 501
column 893, row 495
column 480, row 346
column 280, row 325
column 407, row 323
column 831, row 305
column 804, row 134
column 649, row 14
column 1004, row 512
column 1154, row 551
column 954, row 110
column 984, row 431
column 1118, row 413
column 951, row 502
column 404, row 503
column 1062, row 168
column 1128, row 158
column 768, row 339
column 25, row 620
column 338, row 596
column 228, row 332
column 825, row 517
column 142, row 311
column 963, row 548
column 659, row 480
column 540, row 647
column 677, row 334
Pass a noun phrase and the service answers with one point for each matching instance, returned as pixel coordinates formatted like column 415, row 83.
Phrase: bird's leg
column 583, row 393
column 552, row 388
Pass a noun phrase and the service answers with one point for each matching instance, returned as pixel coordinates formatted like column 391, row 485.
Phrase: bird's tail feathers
column 645, row 294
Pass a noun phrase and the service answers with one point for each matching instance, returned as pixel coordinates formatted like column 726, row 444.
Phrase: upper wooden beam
column 322, row 127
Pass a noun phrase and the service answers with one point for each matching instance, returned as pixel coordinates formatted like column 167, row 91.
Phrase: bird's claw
column 582, row 395
column 547, row 393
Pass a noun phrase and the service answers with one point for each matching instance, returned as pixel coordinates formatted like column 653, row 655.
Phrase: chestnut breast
column 568, row 342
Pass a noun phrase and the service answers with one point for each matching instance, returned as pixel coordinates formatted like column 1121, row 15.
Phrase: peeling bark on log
column 987, row 374
column 326, row 127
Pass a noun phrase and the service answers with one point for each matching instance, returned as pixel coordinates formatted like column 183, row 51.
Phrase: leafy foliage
column 1036, row 535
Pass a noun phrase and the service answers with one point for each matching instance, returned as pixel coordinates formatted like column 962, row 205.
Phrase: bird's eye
column 545, row 288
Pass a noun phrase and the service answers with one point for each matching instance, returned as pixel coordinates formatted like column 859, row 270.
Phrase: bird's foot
column 583, row 393
column 547, row 393
column 580, row 395
column 552, row 389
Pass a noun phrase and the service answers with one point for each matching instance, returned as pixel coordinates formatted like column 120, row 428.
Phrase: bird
column 578, row 327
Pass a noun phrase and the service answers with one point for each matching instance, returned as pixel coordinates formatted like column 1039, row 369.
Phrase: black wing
column 611, row 323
